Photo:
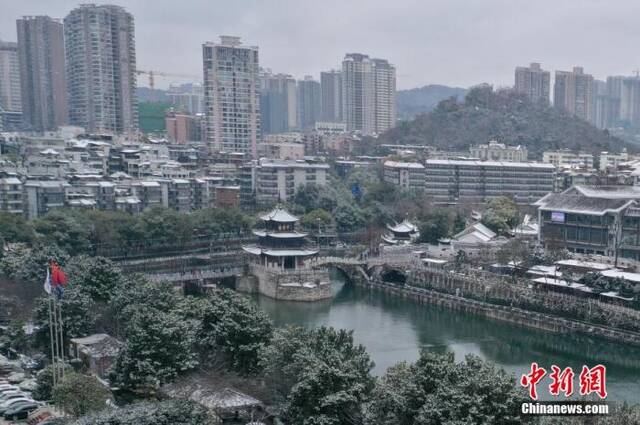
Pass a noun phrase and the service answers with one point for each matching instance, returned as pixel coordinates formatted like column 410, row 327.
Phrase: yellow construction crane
column 153, row 74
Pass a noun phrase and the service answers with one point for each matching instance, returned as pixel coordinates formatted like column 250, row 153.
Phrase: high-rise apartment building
column 232, row 95
column 630, row 101
column 534, row 82
column 309, row 102
column 368, row 94
column 9, row 77
column 600, row 100
column 42, row 73
column 187, row 97
column 278, row 103
column 101, row 68
column 573, row 92
column 384, row 88
column 357, row 93
column 331, row 103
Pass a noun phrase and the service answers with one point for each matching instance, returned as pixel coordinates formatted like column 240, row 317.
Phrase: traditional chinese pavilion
column 280, row 245
column 401, row 233
column 283, row 264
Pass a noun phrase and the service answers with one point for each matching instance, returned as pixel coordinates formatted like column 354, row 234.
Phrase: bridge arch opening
column 394, row 276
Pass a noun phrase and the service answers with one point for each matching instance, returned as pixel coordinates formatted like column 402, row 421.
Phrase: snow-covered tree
column 437, row 390
column 321, row 375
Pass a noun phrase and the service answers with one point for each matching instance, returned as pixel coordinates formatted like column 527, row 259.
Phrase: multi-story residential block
column 282, row 150
column 407, row 175
column 534, row 82
column 232, row 96
column 101, row 68
column 494, row 151
column 384, row 87
column 331, row 105
column 42, row 196
column 278, row 103
column 42, row 72
column 9, row 77
column 568, row 159
column 592, row 220
column 453, row 181
column 573, row 92
column 149, row 192
column 270, row 180
column 11, row 195
column 309, row 102
column 183, row 128
column 177, row 194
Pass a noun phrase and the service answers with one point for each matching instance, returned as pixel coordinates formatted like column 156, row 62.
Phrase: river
column 395, row 329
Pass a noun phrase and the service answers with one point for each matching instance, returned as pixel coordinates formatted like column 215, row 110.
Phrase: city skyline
column 429, row 49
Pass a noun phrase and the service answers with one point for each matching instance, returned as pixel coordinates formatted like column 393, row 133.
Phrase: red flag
column 58, row 278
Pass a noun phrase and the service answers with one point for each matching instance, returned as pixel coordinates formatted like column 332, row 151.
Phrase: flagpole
column 51, row 336
column 56, row 338
column 61, row 338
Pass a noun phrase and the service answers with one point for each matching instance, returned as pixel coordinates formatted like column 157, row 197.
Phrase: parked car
column 11, row 395
column 20, row 411
column 11, row 403
column 8, row 389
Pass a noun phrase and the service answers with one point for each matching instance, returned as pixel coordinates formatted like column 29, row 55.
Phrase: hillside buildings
column 534, row 82
column 454, row 181
column 564, row 158
column 42, row 72
column 494, row 151
column 368, row 94
column 101, row 68
column 9, row 77
column 407, row 175
column 573, row 92
column 232, row 96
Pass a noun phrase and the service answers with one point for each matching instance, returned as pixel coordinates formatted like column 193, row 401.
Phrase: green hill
column 424, row 99
column 505, row 116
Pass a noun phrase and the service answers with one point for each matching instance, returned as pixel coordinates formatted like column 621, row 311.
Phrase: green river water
column 395, row 329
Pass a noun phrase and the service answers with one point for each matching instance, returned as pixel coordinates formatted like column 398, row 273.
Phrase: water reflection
column 394, row 329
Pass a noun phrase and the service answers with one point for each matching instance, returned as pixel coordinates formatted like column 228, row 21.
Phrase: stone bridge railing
column 198, row 274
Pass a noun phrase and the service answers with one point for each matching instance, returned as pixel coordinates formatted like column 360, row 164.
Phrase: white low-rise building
column 564, row 158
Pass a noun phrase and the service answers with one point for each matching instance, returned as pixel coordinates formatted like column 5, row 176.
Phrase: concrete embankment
column 508, row 314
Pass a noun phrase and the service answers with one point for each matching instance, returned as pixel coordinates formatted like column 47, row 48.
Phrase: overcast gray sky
column 451, row 42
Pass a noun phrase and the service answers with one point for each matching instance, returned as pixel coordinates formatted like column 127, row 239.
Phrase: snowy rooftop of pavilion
column 279, row 215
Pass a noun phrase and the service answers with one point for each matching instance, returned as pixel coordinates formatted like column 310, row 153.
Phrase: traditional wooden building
column 282, row 265
column 401, row 233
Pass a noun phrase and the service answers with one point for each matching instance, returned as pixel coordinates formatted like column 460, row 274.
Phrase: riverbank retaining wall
column 507, row 314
